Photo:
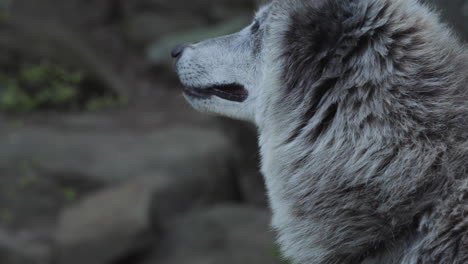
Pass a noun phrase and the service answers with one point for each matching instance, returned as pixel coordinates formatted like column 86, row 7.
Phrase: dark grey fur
column 365, row 141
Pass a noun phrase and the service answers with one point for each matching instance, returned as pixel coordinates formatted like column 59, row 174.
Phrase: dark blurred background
column 102, row 161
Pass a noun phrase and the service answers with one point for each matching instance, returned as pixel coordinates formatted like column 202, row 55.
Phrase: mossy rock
column 46, row 86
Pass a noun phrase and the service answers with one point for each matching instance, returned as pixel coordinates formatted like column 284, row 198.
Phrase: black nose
column 178, row 50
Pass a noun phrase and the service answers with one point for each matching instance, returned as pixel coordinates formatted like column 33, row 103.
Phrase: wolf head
column 230, row 75
column 223, row 75
column 304, row 56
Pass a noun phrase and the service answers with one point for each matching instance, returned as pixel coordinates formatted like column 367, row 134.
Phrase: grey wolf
column 362, row 113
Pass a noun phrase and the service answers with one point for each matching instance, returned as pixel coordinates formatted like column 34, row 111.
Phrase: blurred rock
column 30, row 198
column 121, row 220
column 144, row 178
column 111, row 157
column 23, row 248
column 228, row 234
column 107, row 225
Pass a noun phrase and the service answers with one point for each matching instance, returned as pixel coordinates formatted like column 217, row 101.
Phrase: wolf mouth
column 232, row 92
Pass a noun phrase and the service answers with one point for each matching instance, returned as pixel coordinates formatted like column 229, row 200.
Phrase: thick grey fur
column 363, row 122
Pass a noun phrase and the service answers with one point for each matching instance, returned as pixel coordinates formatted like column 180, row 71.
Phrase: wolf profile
column 362, row 113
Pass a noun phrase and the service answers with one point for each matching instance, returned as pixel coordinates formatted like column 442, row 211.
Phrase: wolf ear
column 320, row 33
column 321, row 25
column 316, row 28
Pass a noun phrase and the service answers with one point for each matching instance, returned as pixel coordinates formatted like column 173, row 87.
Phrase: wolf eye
column 255, row 27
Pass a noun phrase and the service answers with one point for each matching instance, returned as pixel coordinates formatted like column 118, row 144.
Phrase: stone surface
column 31, row 198
column 121, row 183
column 24, row 247
column 124, row 219
column 228, row 234
column 110, row 157
column 107, row 225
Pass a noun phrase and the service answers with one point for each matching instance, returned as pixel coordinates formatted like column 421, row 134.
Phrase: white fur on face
column 232, row 59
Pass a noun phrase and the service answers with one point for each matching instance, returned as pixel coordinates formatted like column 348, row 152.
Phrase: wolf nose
column 178, row 50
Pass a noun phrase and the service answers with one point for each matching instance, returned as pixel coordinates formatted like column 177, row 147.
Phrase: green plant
column 50, row 83
column 37, row 74
column 104, row 102
column 70, row 194
column 13, row 98
column 49, row 86
column 35, row 86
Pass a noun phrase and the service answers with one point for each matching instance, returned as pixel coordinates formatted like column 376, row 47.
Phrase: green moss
column 36, row 86
column 105, row 102
column 35, row 74
column 70, row 194
column 57, row 94
column 44, row 73
column 12, row 97
column 48, row 86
